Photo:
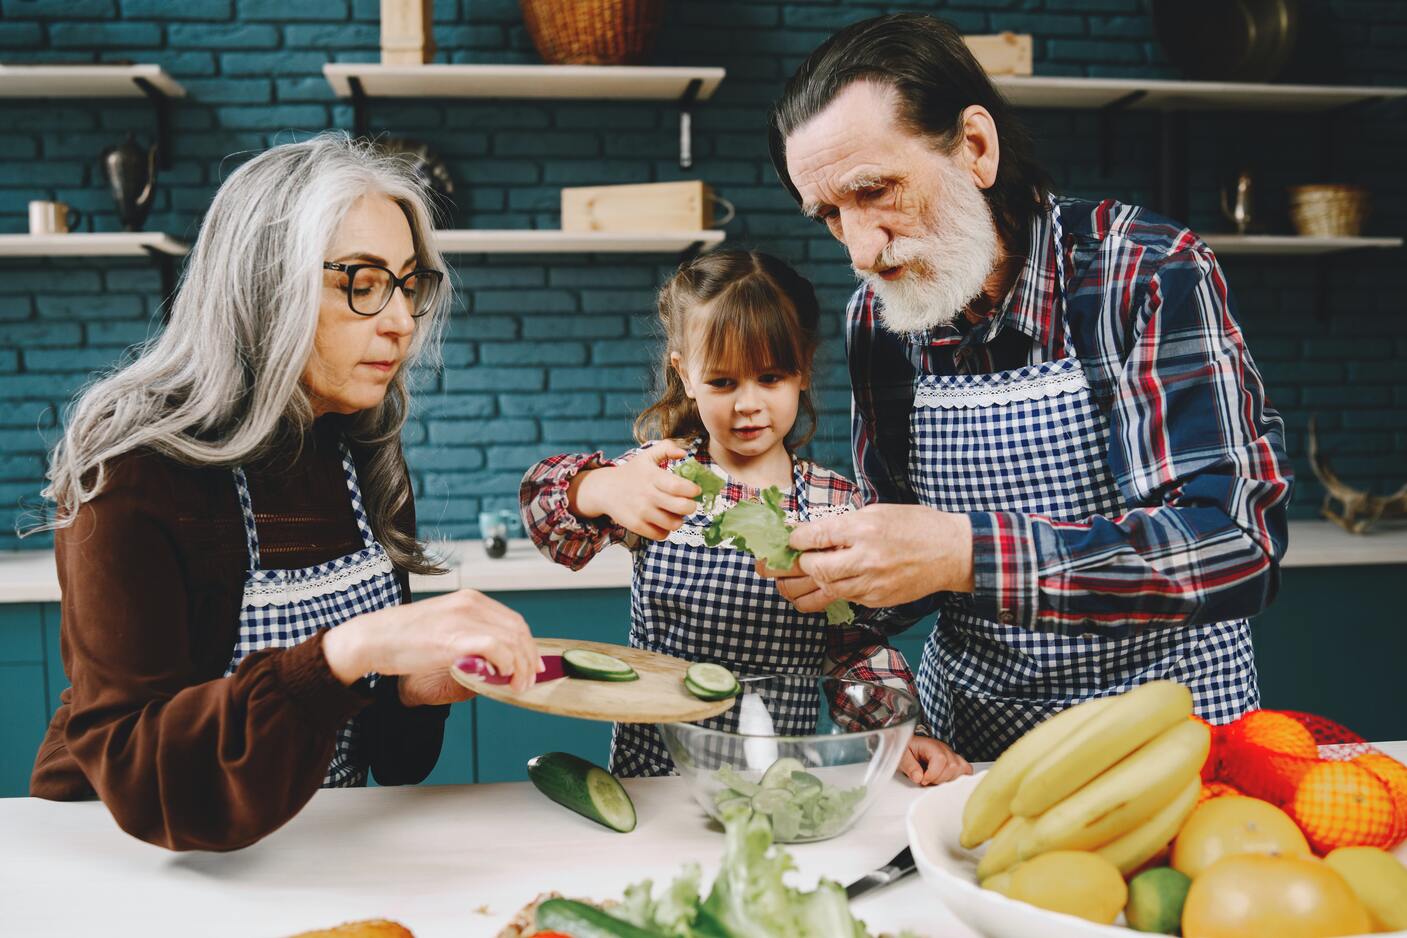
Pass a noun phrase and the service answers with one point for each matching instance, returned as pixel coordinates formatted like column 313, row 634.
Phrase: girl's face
column 748, row 413
column 355, row 357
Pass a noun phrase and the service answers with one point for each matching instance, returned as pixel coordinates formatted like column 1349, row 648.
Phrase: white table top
column 28, row 576
column 428, row 857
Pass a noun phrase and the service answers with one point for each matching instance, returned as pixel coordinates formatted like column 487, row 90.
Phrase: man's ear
column 677, row 363
column 980, row 145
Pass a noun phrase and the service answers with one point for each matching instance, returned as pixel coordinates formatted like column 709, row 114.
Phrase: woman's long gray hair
column 221, row 384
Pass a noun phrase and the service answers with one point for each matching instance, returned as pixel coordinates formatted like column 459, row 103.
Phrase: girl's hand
column 637, row 494
column 930, row 762
column 430, row 636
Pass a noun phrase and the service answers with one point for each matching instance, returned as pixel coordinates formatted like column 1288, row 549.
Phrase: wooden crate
column 407, row 32
column 656, row 206
column 1002, row 54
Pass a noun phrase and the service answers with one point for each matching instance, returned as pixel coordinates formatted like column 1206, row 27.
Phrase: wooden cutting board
column 658, row 697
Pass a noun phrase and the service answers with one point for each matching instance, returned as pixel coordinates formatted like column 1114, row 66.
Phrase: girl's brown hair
column 742, row 309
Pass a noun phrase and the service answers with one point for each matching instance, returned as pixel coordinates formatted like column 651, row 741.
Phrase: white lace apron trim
column 968, row 395
column 278, row 591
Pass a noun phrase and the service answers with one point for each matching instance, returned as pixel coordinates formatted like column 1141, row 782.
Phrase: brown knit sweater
column 152, row 573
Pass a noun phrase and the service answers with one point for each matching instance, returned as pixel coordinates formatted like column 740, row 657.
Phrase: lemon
column 1379, row 881
column 1075, row 882
column 1155, row 900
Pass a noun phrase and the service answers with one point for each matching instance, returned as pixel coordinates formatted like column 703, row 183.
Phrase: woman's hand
column 930, row 762
column 431, row 689
column 638, row 494
column 428, row 637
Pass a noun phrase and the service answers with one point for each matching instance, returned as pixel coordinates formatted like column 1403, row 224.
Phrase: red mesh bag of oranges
column 1339, row 789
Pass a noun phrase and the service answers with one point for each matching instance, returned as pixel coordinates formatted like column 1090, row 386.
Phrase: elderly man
column 1065, row 445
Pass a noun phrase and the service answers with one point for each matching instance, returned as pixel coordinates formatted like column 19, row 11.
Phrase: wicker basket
column 1329, row 211
column 592, row 32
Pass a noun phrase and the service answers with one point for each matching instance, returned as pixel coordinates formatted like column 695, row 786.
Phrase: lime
column 1155, row 900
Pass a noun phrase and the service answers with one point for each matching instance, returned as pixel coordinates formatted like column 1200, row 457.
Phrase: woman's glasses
column 369, row 288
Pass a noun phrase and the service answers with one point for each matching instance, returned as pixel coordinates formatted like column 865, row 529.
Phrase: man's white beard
column 945, row 269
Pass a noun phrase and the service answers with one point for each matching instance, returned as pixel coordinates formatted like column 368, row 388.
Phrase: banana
column 1123, row 797
column 1001, row 852
column 1000, row 882
column 1132, row 720
column 989, row 805
column 1141, row 844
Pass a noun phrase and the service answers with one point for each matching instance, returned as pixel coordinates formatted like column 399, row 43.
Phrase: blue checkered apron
column 708, row 604
column 282, row 608
column 1033, row 441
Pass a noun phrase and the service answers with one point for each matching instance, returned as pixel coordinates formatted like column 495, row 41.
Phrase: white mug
column 51, row 217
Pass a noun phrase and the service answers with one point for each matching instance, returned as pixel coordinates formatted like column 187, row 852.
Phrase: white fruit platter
column 934, row 825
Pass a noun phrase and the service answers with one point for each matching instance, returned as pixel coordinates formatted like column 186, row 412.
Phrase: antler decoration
column 1361, row 510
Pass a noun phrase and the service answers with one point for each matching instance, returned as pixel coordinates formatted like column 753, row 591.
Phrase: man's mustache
column 901, row 252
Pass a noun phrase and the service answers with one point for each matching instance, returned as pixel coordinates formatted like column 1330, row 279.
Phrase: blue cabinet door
column 24, row 713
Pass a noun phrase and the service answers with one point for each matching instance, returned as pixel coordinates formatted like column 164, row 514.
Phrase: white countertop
column 428, row 857
column 28, row 576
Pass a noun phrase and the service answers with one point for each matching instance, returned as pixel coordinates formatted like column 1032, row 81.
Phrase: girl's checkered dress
column 709, row 604
column 284, row 607
column 1033, row 441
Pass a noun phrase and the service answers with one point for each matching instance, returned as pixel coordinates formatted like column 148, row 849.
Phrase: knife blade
column 477, row 665
column 893, row 871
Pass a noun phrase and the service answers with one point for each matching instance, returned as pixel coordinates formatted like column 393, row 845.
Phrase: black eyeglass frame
column 436, row 277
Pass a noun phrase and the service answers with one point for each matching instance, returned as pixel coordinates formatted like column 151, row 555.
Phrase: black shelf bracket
column 161, row 108
column 1106, row 128
column 360, row 121
column 167, row 264
column 686, row 123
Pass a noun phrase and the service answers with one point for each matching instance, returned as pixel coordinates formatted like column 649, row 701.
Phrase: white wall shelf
column 363, row 81
column 99, row 81
column 625, row 82
column 550, row 241
column 1054, row 92
column 86, row 81
column 1227, row 244
column 92, row 244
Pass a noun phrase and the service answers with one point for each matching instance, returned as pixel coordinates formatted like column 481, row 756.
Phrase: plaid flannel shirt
column 857, row 651
column 1193, row 444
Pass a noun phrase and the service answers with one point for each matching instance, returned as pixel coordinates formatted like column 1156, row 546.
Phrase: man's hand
column 929, row 762
column 881, row 555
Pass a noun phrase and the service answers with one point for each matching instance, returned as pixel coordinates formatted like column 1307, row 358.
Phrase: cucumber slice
column 778, row 774
column 584, row 788
column 705, row 694
column 594, row 666
column 710, row 681
column 584, row 921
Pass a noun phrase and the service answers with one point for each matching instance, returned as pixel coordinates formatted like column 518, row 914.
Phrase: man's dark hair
column 925, row 61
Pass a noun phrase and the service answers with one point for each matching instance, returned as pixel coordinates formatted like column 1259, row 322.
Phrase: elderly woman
column 235, row 523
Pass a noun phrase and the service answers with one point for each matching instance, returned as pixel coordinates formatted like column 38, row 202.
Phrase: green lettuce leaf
column 758, row 527
column 761, row 529
column 749, row 898
column 706, row 479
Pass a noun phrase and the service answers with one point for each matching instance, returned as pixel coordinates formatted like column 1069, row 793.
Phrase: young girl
column 740, row 334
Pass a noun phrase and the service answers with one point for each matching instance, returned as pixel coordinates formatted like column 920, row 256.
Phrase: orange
column 1393, row 774
column 1284, row 897
column 1276, row 732
column 1340, row 804
column 1217, row 790
column 1231, row 825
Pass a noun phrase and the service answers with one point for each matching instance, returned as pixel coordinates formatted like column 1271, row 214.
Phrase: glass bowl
column 806, row 751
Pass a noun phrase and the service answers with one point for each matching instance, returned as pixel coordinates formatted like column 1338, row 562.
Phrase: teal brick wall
column 552, row 352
